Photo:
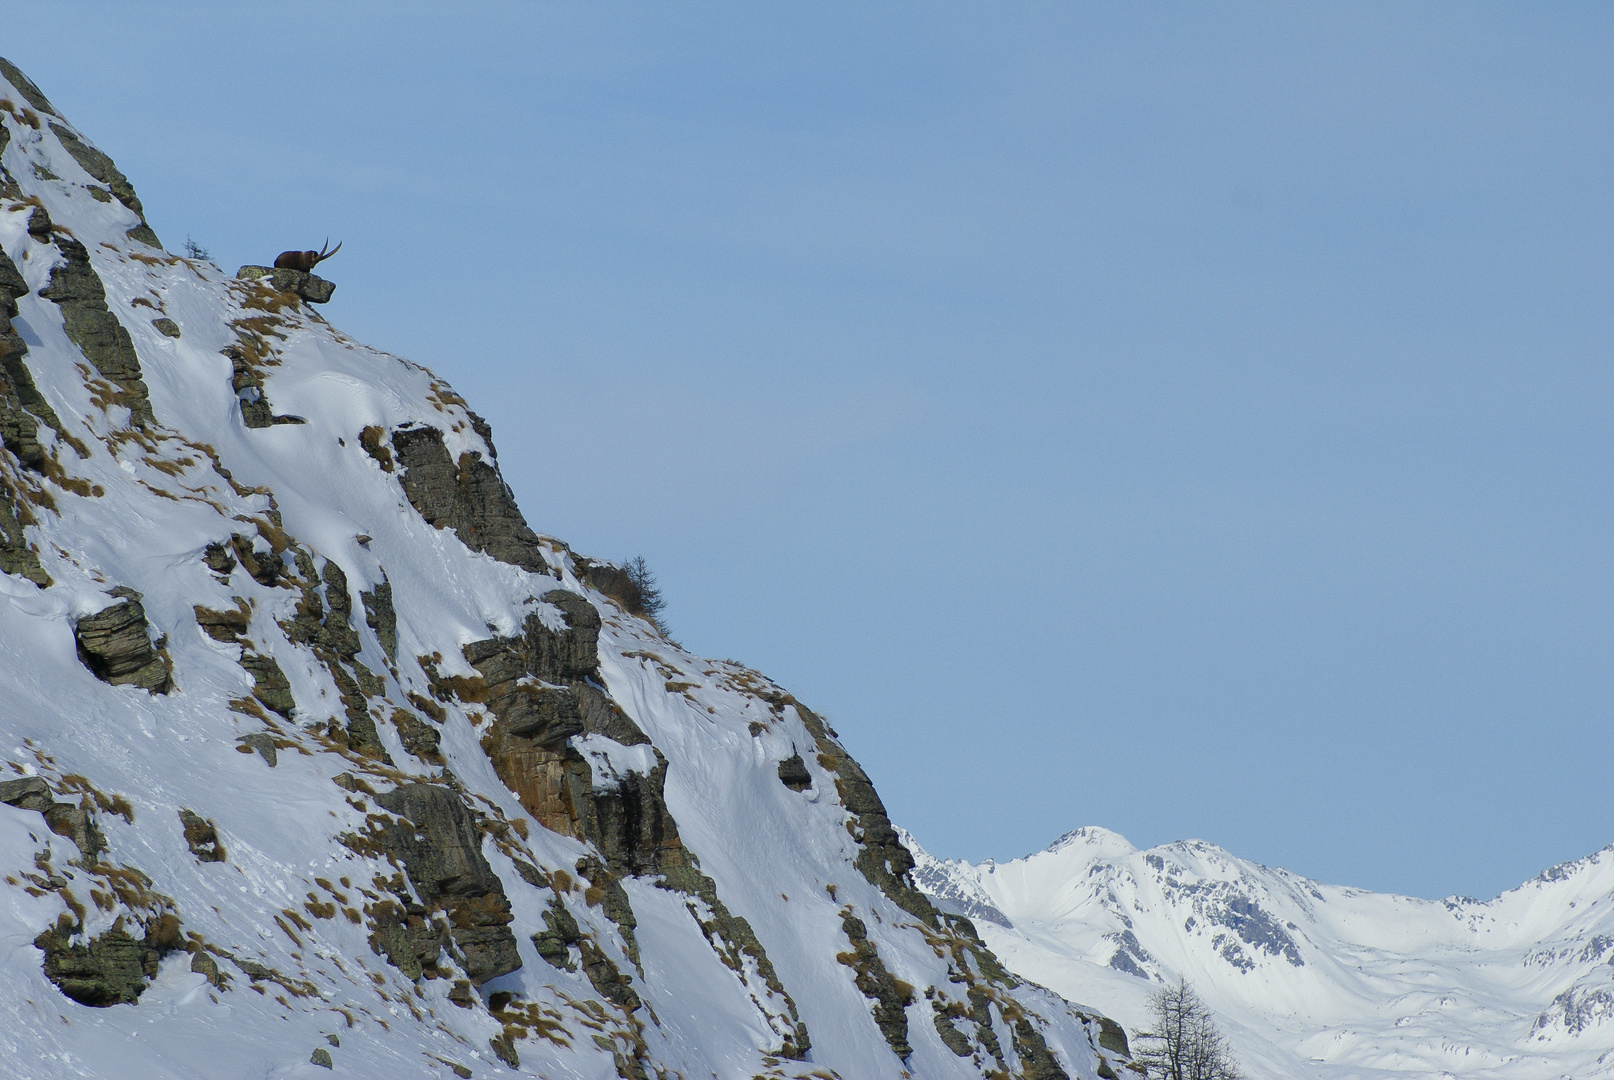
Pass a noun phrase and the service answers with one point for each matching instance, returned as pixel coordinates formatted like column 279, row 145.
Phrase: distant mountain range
column 1310, row 980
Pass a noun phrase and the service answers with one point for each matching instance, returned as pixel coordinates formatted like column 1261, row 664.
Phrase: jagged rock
column 551, row 656
column 201, row 837
column 223, row 625
column 16, row 556
column 111, row 969
column 77, row 823
column 632, row 826
column 316, row 290
column 471, row 498
column 11, row 282
column 336, row 630
column 380, row 617
column 417, row 736
column 320, row 1057
column 793, row 773
column 264, row 567
column 25, row 86
column 64, row 819
column 166, row 327
column 951, row 1037
column 248, row 387
column 76, row 289
column 218, row 559
column 22, row 406
column 614, row 902
column 28, row 793
column 205, row 966
column 441, row 849
column 615, row 581
column 890, row 999
column 39, row 224
column 882, row 858
column 269, row 684
column 1037, row 1062
column 534, row 715
column 554, row 944
column 115, row 644
column 1112, row 1037
column 607, row 979
column 264, row 744
column 101, row 167
column 602, row 716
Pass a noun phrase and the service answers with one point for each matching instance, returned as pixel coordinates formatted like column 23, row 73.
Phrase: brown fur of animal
column 305, row 260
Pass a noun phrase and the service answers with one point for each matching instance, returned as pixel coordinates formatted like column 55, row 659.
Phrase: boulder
column 793, row 773
column 115, row 644
column 28, row 793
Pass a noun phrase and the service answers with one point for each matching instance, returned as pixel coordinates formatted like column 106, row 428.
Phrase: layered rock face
column 322, row 756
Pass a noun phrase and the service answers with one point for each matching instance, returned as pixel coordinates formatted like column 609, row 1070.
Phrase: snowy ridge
column 1315, row 980
column 689, row 876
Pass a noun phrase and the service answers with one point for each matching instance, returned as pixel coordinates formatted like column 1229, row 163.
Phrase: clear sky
column 1193, row 420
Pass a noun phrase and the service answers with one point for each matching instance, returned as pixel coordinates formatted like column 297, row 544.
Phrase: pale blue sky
column 1192, row 420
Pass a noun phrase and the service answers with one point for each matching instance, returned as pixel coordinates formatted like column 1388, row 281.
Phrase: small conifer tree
column 650, row 601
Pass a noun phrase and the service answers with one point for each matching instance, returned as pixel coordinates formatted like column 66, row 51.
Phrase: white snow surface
column 138, row 509
column 1309, row 980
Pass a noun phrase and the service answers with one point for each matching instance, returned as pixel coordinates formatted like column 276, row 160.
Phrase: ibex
column 305, row 260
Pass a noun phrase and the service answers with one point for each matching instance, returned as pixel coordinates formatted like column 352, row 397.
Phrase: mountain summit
column 317, row 756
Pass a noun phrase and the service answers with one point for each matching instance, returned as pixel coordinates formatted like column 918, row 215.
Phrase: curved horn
column 323, row 255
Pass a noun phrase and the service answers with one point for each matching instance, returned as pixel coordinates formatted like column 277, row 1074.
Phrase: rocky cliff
column 318, row 756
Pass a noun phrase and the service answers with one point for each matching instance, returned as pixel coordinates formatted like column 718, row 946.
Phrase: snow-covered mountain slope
column 1311, row 980
column 316, row 756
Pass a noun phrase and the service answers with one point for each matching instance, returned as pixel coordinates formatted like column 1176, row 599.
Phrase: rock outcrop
column 441, row 851
column 201, row 837
column 111, row 969
column 889, row 997
column 468, row 496
column 882, row 858
column 101, row 167
column 316, row 290
column 115, row 643
column 22, row 407
column 76, row 289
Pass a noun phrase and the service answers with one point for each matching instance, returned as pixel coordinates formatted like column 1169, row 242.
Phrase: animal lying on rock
column 305, row 260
